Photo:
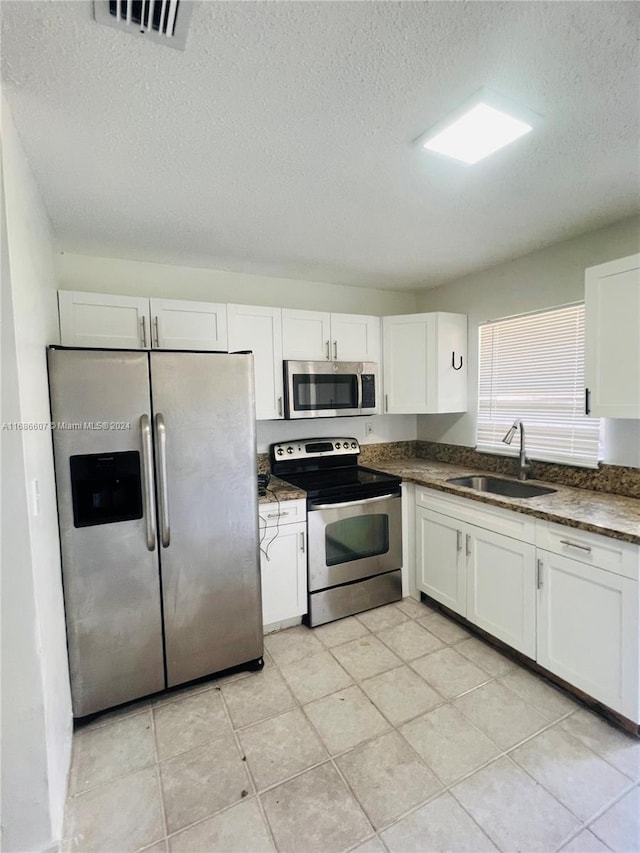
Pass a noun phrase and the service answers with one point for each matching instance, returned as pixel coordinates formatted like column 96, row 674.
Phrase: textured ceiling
column 280, row 140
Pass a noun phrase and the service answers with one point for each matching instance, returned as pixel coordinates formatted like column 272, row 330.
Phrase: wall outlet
column 368, row 428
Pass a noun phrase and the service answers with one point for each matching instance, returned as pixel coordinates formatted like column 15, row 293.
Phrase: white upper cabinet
column 128, row 322
column 260, row 330
column 612, row 339
column 306, row 335
column 425, row 363
column 176, row 324
column 355, row 337
column 319, row 336
column 103, row 320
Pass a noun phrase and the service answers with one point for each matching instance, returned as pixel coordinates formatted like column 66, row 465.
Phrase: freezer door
column 205, row 442
column 111, row 578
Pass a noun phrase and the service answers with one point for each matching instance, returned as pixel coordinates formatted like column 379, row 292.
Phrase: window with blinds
column 532, row 369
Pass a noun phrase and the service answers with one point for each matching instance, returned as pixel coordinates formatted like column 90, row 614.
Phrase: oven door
column 316, row 389
column 351, row 540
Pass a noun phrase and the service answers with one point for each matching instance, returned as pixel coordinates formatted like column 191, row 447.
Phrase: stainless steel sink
column 497, row 486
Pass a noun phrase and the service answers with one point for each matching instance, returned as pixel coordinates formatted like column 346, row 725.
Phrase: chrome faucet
column 524, row 467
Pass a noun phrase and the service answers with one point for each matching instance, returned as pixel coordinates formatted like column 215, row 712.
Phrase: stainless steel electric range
column 354, row 519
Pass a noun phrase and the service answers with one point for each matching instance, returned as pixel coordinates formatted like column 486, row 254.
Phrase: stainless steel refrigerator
column 155, row 458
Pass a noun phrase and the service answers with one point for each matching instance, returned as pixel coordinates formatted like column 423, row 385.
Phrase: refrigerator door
column 107, row 525
column 205, row 442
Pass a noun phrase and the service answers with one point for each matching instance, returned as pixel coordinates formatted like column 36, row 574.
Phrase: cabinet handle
column 335, row 350
column 155, row 329
column 302, row 542
column 587, row 401
column 143, row 323
column 468, row 548
column 327, row 345
column 276, row 514
column 566, row 542
column 280, row 406
column 459, row 540
column 386, row 402
column 539, row 574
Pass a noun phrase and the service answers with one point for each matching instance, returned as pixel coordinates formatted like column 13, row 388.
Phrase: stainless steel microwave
column 328, row 389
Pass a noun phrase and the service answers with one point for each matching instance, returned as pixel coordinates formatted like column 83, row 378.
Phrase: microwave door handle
column 360, row 392
column 346, row 504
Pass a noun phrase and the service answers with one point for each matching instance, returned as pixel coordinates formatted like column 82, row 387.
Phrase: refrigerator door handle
column 147, row 480
column 165, row 528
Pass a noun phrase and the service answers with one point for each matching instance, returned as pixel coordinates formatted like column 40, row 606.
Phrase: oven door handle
column 353, row 503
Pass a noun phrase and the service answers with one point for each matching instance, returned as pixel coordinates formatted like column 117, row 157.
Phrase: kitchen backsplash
column 614, row 479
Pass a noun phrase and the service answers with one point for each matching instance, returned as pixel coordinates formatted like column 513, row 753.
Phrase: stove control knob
column 279, row 451
column 346, row 445
column 337, row 445
column 289, row 449
column 353, row 445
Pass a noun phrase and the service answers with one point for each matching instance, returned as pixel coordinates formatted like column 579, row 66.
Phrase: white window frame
column 531, row 368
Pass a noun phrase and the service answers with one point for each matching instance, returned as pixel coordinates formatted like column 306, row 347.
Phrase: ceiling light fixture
column 482, row 125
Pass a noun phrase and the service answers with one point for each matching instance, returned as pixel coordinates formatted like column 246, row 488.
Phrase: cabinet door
column 283, row 564
column 103, row 320
column 451, row 363
column 588, row 631
column 306, row 335
column 188, row 325
column 440, row 563
column 612, row 342
column 406, row 339
column 501, row 587
column 260, row 330
column 355, row 337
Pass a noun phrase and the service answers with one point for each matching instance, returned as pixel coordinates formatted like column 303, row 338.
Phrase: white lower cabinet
column 588, row 621
column 567, row 598
column 283, row 561
column 441, row 566
column 482, row 575
column 501, row 587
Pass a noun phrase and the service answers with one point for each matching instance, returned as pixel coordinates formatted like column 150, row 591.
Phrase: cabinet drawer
column 613, row 555
column 286, row 512
column 504, row 521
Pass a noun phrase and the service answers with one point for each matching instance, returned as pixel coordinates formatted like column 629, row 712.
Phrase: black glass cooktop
column 346, row 483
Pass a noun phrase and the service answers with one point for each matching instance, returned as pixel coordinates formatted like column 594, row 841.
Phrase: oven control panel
column 309, row 448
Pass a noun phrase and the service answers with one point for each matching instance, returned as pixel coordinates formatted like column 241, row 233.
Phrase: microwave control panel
column 368, row 391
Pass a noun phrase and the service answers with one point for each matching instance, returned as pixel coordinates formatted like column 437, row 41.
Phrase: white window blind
column 532, row 369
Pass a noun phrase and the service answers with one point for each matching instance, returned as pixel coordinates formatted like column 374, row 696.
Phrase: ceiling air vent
column 163, row 21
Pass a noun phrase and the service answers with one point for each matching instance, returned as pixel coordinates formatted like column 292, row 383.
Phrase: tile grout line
column 245, row 761
column 163, row 810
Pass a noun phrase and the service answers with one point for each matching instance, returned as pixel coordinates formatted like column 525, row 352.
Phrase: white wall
column 143, row 278
column 384, row 428
column 551, row 276
column 38, row 727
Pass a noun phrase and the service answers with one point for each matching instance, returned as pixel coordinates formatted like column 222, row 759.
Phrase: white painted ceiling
column 280, row 140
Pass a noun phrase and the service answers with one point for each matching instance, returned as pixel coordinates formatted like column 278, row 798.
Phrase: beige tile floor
column 395, row 730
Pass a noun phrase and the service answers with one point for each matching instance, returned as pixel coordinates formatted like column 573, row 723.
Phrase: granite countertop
column 278, row 490
column 615, row 516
